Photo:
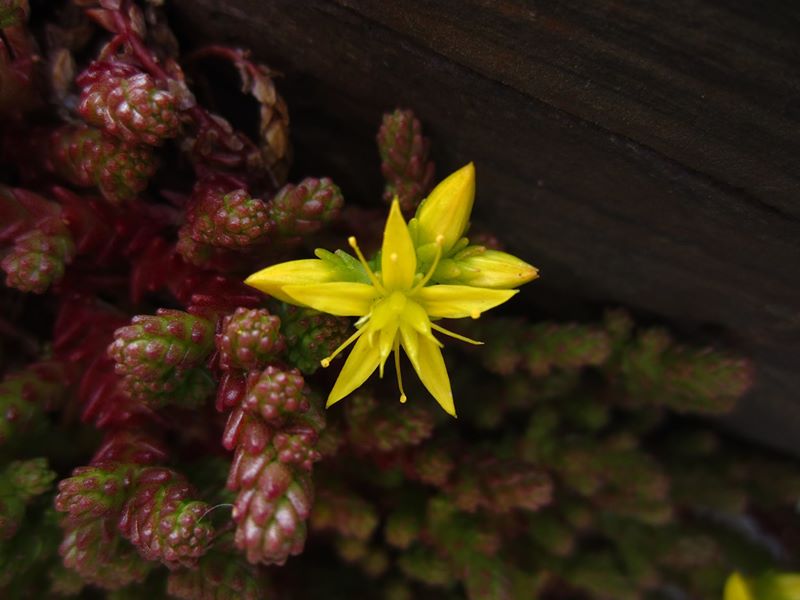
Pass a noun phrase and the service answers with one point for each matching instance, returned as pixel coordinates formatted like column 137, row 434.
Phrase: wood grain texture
column 643, row 153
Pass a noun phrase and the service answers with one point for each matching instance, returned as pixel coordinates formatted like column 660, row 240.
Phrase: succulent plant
column 162, row 430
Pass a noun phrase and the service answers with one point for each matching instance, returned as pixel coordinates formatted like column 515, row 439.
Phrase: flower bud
column 480, row 267
column 447, row 209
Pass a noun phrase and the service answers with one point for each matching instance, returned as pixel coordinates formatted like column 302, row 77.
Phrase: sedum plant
column 163, row 430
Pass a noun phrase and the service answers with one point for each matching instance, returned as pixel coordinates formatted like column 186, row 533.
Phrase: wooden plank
column 640, row 153
column 700, row 83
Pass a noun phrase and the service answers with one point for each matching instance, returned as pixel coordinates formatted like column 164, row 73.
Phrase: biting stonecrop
column 426, row 270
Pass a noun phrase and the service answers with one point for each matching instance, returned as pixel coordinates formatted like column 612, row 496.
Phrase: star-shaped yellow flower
column 398, row 304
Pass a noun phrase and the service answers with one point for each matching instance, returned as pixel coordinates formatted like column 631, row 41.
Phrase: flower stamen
column 325, row 362
column 455, row 335
column 436, row 258
column 403, row 396
column 372, row 277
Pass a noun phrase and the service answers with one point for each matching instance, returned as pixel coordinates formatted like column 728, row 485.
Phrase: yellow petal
column 416, row 317
column 340, row 298
column 398, row 257
column 386, row 341
column 458, row 301
column 736, row 588
column 490, row 269
column 410, row 341
column 363, row 360
column 272, row 279
column 447, row 209
column 431, row 369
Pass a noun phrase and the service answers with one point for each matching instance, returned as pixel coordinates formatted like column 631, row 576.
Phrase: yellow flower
column 397, row 305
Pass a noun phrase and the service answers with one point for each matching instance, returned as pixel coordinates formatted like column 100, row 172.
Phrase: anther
column 325, row 362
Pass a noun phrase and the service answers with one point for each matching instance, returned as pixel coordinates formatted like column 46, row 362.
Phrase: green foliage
column 163, row 519
column 38, row 259
column 26, row 396
column 577, row 467
column 20, row 482
column 89, row 157
column 404, row 159
column 271, row 473
column 26, row 557
column 310, row 335
column 425, row 567
column 250, row 339
column 225, row 218
column 161, row 358
column 305, row 208
column 657, row 371
column 345, row 512
column 219, row 575
column 100, row 556
column 13, row 12
column 382, row 427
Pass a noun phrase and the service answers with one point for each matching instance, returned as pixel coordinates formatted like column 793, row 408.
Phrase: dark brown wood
column 643, row 153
